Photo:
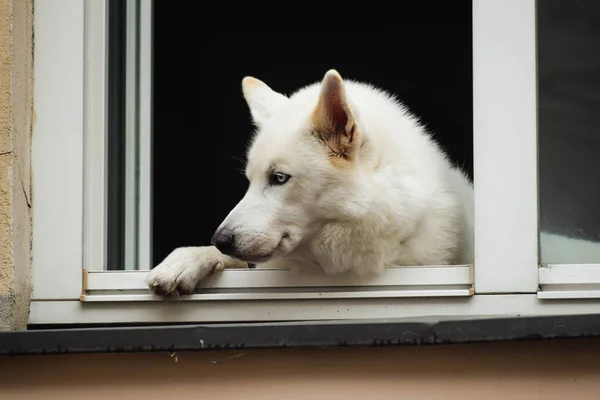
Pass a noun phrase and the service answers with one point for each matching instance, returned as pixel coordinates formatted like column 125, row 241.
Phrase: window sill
column 299, row 334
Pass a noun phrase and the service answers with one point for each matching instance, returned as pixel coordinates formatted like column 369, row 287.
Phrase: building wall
column 561, row 369
column 16, row 118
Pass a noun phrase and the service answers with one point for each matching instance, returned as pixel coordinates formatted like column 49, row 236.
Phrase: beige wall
column 520, row 370
column 16, row 110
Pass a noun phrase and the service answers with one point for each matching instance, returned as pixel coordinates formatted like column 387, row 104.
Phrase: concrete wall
column 16, row 118
column 545, row 370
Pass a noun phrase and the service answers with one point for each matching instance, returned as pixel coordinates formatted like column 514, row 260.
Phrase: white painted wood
column 568, row 294
column 565, row 274
column 569, row 281
column 57, row 149
column 265, row 278
column 505, row 146
column 145, row 139
column 479, row 306
column 96, row 99
column 324, row 294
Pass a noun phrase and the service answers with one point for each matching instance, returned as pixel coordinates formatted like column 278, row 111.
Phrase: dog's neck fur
column 400, row 201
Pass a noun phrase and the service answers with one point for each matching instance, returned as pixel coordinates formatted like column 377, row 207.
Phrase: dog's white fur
column 369, row 188
column 392, row 198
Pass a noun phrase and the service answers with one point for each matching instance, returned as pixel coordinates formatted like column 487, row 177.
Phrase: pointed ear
column 333, row 120
column 261, row 99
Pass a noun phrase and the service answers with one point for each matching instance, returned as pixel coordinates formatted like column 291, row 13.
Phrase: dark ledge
column 296, row 334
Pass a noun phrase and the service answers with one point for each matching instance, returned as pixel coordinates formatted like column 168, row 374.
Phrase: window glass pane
column 116, row 135
column 569, row 130
column 126, row 133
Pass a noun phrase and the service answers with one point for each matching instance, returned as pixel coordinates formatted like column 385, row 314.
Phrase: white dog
column 342, row 179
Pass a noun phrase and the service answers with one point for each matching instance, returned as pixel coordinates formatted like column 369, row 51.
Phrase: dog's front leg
column 183, row 269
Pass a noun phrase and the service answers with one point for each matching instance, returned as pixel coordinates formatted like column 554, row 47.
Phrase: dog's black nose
column 224, row 241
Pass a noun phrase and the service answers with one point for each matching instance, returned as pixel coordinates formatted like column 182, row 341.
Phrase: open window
column 141, row 152
column 175, row 130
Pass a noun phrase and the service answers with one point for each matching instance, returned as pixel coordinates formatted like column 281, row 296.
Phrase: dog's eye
column 278, row 178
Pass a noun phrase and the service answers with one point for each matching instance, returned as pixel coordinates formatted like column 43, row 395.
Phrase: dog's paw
column 182, row 270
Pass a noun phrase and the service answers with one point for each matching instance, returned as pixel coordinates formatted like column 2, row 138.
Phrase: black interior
column 419, row 50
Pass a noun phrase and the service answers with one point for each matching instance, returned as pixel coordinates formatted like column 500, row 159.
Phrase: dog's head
column 300, row 164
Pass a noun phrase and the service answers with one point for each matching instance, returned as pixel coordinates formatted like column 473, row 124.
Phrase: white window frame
column 69, row 183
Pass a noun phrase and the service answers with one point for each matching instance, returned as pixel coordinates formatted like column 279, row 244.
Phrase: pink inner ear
column 336, row 108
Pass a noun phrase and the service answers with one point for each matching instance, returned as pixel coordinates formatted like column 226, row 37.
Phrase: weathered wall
column 16, row 117
column 548, row 370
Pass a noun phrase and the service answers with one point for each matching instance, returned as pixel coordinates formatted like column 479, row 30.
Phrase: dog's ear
column 333, row 120
column 261, row 99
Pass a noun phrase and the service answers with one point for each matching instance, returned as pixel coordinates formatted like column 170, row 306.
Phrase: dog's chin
column 257, row 259
column 263, row 256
